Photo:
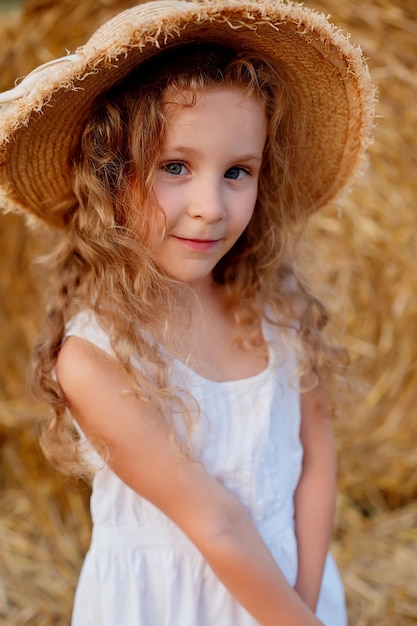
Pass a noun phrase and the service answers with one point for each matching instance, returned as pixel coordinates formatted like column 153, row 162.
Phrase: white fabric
column 141, row 570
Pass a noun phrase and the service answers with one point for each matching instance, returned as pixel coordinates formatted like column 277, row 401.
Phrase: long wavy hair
column 102, row 262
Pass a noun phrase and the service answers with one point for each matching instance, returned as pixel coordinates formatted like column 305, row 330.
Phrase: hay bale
column 366, row 264
column 368, row 256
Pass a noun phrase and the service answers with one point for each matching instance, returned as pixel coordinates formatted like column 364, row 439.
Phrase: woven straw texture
column 366, row 255
column 329, row 88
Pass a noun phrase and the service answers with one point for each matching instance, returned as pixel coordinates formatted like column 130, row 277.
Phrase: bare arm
column 215, row 521
column 315, row 495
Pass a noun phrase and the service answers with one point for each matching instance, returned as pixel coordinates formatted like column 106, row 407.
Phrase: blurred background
column 366, row 267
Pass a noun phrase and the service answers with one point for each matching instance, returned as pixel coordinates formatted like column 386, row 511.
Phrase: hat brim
column 330, row 91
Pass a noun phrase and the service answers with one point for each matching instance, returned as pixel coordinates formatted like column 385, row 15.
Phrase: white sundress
column 141, row 569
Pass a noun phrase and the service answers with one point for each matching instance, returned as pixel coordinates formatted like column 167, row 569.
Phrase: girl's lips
column 197, row 244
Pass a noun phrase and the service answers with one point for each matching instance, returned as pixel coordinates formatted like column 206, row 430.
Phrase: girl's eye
column 175, row 169
column 236, row 173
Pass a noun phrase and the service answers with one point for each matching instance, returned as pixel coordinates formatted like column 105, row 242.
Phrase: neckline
column 234, row 381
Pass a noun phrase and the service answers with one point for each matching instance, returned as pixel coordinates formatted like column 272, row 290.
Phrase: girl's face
column 207, row 181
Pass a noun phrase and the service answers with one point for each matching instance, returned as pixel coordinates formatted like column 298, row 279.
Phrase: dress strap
column 85, row 326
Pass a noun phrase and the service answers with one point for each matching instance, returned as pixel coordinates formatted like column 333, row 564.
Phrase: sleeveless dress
column 141, row 569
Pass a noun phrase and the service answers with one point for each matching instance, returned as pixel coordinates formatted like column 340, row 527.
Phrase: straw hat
column 41, row 118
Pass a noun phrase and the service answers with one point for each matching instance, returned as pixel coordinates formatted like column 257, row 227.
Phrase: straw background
column 366, row 264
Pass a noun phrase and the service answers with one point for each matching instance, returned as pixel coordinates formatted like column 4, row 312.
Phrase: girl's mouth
column 198, row 244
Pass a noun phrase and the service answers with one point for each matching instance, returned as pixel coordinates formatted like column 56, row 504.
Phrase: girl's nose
column 207, row 203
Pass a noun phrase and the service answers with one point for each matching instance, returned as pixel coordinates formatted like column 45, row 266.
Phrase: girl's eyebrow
column 190, row 150
column 250, row 157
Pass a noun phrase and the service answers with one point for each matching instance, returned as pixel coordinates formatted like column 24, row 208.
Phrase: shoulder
column 96, row 388
column 84, row 355
column 82, row 364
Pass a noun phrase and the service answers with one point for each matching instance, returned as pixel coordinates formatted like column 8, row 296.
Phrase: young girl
column 178, row 155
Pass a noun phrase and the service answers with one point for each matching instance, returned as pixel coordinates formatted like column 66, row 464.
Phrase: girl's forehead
column 216, row 117
column 176, row 98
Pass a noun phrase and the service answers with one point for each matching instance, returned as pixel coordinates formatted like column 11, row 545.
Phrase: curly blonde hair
column 102, row 262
